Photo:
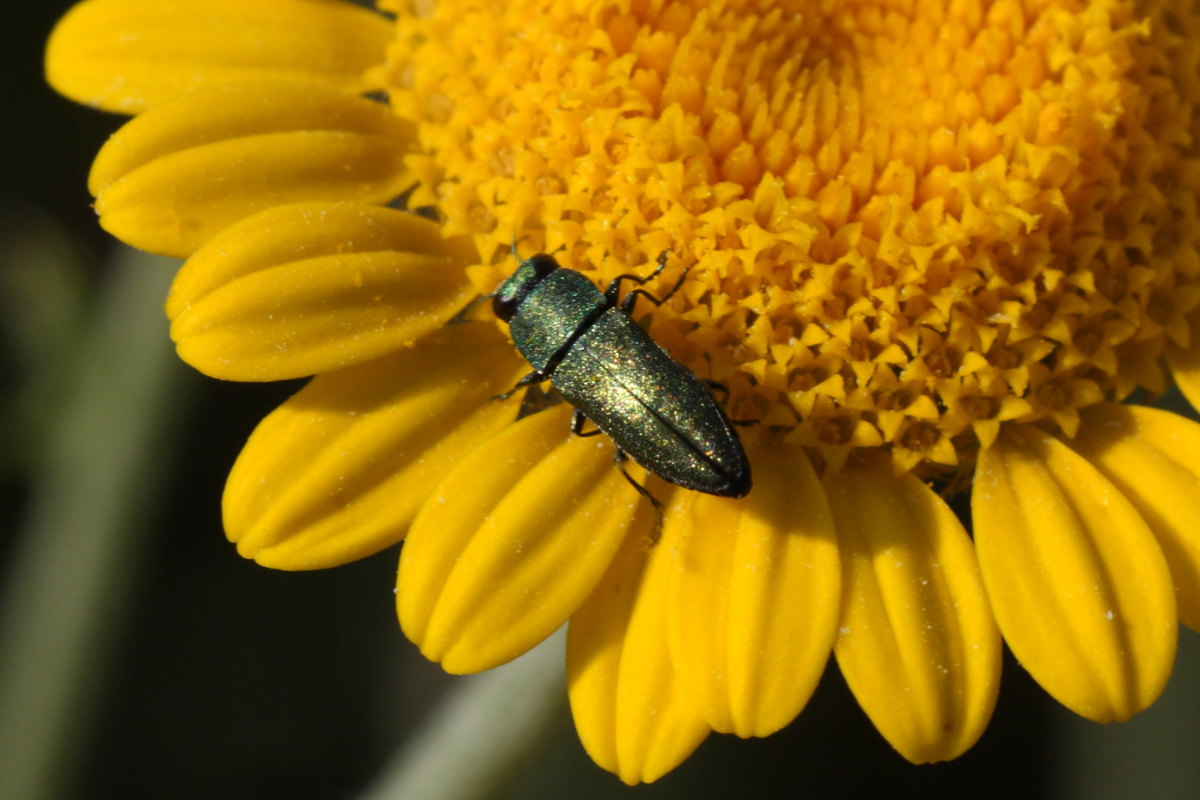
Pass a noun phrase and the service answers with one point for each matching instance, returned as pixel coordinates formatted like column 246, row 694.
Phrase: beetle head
column 514, row 290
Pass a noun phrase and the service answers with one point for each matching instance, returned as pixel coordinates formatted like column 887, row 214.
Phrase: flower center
column 904, row 222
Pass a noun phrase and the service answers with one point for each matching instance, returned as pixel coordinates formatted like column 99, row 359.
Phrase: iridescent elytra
column 588, row 346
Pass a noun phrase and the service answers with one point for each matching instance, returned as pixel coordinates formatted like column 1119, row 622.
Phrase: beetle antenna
column 464, row 313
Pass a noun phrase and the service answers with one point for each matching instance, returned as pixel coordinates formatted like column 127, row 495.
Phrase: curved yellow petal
column 129, row 55
column 339, row 471
column 311, row 288
column 633, row 716
column 1076, row 579
column 1153, row 457
column 1185, row 369
column 285, row 234
column 173, row 177
column 511, row 543
column 918, row 645
column 755, row 588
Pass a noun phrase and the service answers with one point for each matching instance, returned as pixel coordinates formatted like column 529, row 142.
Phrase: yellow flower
column 930, row 245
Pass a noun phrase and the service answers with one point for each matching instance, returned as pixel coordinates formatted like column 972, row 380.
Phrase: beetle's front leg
column 631, row 298
column 531, row 378
column 614, row 287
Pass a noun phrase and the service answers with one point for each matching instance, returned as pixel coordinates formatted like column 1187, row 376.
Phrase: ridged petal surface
column 339, row 471
column 1076, row 579
column 310, row 288
column 1153, row 458
column 755, row 589
column 633, row 716
column 129, row 55
column 511, row 542
column 170, row 179
column 918, row 645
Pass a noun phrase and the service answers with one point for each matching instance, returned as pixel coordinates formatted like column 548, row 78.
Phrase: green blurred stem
column 73, row 565
column 482, row 734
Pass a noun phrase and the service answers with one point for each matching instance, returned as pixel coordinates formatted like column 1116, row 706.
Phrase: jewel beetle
column 608, row 367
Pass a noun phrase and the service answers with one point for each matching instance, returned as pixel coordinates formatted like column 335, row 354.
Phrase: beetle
column 587, row 345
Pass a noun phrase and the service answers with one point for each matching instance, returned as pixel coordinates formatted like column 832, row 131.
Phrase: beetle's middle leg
column 577, row 420
column 620, row 457
column 715, row 388
column 531, row 378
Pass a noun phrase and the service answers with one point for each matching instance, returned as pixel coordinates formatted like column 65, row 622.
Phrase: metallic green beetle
column 613, row 373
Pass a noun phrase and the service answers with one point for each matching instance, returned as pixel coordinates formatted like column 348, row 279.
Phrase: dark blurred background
column 213, row 677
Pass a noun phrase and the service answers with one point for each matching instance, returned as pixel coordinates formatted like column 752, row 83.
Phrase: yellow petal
column 1185, row 369
column 339, row 470
column 511, row 543
column 1153, row 458
column 918, row 645
column 129, row 55
column 632, row 714
column 754, row 596
column 173, row 177
column 1077, row 582
column 310, row 288
column 304, row 230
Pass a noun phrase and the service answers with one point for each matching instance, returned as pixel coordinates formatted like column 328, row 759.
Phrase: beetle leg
column 614, row 286
column 533, row 377
column 577, row 420
column 620, row 457
column 631, row 298
column 715, row 387
column 464, row 314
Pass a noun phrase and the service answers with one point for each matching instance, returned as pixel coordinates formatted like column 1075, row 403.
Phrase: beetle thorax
column 551, row 313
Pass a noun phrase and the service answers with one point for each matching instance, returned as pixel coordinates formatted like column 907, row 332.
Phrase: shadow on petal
column 755, row 589
column 511, row 542
column 339, row 470
column 632, row 714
